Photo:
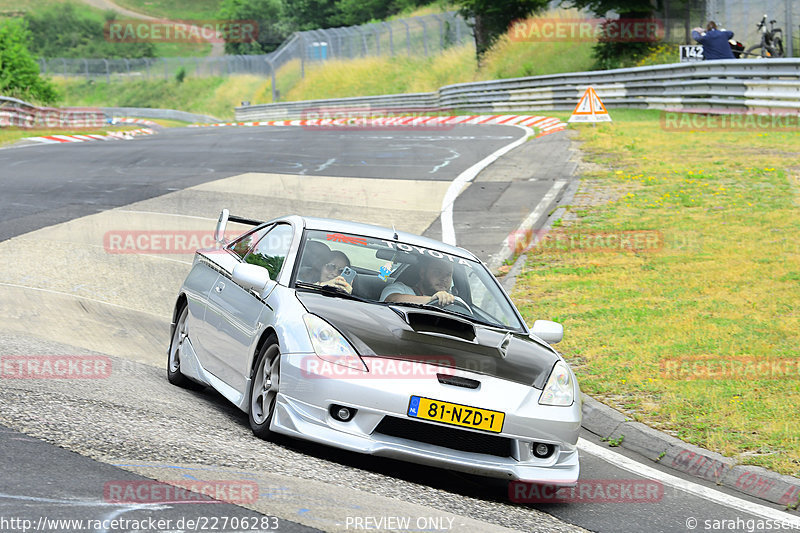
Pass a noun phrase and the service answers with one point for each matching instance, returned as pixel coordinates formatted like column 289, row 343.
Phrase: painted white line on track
column 448, row 230
column 689, row 487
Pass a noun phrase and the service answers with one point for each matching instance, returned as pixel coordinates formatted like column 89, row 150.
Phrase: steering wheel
column 458, row 301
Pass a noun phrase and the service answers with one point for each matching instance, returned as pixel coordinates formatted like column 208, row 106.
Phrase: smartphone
column 348, row 274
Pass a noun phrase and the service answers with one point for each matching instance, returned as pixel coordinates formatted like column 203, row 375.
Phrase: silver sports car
column 379, row 342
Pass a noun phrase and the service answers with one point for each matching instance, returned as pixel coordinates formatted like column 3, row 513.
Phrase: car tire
column 179, row 336
column 266, row 379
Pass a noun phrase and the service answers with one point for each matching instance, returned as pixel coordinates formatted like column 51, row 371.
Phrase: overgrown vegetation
column 492, row 18
column 19, row 73
column 332, row 79
column 273, row 29
column 613, row 52
column 212, row 96
column 63, row 30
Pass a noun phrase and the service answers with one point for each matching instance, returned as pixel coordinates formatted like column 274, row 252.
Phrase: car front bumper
column 305, row 398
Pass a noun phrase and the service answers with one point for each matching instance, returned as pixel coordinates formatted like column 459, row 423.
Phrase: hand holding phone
column 348, row 274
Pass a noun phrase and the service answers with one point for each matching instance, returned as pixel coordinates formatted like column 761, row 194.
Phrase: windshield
column 397, row 273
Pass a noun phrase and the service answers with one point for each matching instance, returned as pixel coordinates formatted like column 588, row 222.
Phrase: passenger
column 330, row 274
column 435, row 280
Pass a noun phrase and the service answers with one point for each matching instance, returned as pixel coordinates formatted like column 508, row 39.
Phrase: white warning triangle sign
column 590, row 109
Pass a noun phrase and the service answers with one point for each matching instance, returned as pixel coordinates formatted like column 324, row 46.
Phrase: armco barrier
column 166, row 114
column 394, row 102
column 21, row 114
column 738, row 84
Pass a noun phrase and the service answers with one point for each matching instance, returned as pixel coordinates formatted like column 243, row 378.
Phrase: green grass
column 174, row 9
column 512, row 59
column 212, row 96
column 334, row 79
column 162, row 49
column 402, row 74
column 723, row 287
column 383, row 75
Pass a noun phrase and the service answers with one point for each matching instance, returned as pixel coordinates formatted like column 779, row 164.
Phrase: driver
column 435, row 280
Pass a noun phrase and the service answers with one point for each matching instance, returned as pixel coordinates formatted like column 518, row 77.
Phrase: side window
column 271, row 250
column 246, row 242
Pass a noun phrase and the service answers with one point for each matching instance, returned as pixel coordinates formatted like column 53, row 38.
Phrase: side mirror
column 549, row 331
column 219, row 233
column 251, row 277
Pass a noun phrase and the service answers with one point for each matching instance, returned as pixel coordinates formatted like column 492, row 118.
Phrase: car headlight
column 329, row 345
column 559, row 390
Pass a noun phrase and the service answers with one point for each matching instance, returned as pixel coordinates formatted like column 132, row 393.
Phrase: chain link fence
column 416, row 36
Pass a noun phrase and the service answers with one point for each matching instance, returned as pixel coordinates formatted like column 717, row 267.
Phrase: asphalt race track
column 71, row 284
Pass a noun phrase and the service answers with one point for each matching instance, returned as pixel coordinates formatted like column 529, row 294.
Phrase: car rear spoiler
column 225, row 217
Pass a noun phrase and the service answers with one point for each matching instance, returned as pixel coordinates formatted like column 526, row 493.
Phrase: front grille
column 455, row 439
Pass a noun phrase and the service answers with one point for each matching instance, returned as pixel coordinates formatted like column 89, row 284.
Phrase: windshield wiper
column 329, row 290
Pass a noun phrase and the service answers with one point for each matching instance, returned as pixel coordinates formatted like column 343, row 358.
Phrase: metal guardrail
column 18, row 113
column 388, row 103
column 739, row 84
column 165, row 114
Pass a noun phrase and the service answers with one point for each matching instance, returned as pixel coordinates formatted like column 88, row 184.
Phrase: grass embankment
column 402, row 74
column 212, row 96
column 174, row 9
column 724, row 289
column 182, row 10
column 332, row 79
column 335, row 78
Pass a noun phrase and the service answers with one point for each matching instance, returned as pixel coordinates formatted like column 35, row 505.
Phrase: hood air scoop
column 441, row 325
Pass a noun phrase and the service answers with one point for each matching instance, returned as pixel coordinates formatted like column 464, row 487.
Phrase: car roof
column 370, row 230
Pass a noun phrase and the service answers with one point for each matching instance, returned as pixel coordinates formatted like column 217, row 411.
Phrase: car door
column 235, row 315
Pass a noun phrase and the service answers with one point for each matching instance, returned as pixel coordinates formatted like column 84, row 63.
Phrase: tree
column 355, row 12
column 61, row 30
column 272, row 28
column 19, row 73
column 310, row 14
column 492, row 18
column 625, row 8
column 609, row 54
